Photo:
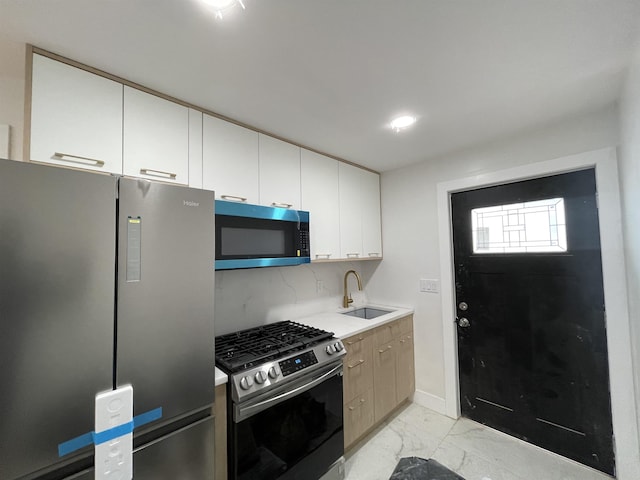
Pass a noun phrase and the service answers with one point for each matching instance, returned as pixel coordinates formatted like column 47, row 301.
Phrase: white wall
column 629, row 164
column 248, row 298
column 410, row 230
column 12, row 75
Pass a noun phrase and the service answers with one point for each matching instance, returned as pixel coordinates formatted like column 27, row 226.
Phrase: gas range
column 264, row 358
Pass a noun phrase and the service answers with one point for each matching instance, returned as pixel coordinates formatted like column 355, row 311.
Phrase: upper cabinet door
column 195, row 148
column 279, row 173
column 229, row 160
column 319, row 178
column 351, row 204
column 76, row 117
column 371, row 224
column 156, row 138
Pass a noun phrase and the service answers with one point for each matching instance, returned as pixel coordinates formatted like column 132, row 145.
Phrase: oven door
column 295, row 432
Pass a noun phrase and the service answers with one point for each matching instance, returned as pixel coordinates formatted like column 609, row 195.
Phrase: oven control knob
column 246, row 383
column 261, row 377
column 330, row 349
column 273, row 372
column 338, row 346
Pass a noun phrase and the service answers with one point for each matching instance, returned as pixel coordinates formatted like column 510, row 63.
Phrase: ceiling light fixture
column 221, row 7
column 402, row 122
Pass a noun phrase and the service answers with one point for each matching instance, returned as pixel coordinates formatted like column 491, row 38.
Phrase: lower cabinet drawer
column 358, row 417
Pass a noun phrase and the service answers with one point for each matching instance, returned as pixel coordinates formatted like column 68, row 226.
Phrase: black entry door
column 532, row 345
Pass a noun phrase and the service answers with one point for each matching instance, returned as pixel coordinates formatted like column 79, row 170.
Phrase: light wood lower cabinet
column 358, row 417
column 379, row 375
column 220, row 444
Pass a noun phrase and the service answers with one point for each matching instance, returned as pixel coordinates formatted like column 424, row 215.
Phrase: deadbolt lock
column 463, row 306
column 463, row 322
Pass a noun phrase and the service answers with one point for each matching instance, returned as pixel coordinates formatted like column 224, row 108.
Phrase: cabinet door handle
column 360, row 362
column 65, row 157
column 281, row 205
column 326, row 255
column 385, row 349
column 374, row 254
column 158, row 173
column 235, row 198
column 353, row 255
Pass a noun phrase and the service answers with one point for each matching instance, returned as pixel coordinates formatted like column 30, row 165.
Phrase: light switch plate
column 114, row 458
column 429, row 285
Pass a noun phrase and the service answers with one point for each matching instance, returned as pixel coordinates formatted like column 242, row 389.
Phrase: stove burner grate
column 247, row 348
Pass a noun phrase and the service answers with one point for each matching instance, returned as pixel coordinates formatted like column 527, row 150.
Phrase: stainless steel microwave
column 250, row 236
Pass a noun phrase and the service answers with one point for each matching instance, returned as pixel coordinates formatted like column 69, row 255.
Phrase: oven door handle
column 243, row 413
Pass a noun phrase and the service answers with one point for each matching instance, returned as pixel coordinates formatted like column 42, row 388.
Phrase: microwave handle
column 246, row 412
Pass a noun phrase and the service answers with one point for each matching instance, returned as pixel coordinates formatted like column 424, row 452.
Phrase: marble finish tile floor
column 468, row 448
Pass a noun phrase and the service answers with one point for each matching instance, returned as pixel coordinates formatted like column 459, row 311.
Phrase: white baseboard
column 430, row 401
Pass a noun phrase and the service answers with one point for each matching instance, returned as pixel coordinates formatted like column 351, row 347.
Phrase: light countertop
column 221, row 377
column 342, row 326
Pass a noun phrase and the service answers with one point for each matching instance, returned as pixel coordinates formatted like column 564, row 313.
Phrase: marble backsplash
column 252, row 297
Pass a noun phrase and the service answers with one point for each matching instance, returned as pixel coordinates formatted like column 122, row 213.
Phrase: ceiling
column 330, row 74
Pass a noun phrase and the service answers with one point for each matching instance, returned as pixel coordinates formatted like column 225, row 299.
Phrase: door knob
column 463, row 322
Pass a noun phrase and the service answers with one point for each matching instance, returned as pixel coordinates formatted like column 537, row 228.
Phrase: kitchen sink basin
column 367, row 312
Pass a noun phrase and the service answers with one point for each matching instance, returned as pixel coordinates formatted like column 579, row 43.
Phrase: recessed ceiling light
column 220, row 7
column 402, row 122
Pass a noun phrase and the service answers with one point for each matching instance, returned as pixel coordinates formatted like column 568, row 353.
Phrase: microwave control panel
column 303, row 245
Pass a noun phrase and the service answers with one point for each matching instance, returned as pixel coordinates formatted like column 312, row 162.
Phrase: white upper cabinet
column 76, row 117
column 230, row 160
column 195, row 148
column 156, row 138
column 279, row 173
column 360, row 229
column 350, row 211
column 319, row 179
column 371, row 224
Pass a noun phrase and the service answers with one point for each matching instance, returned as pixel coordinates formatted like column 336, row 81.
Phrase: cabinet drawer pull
column 355, row 341
column 353, row 255
column 235, row 198
column 158, row 173
column 374, row 254
column 325, row 255
column 362, row 400
column 65, row 157
column 360, row 362
column 281, row 205
column 385, row 349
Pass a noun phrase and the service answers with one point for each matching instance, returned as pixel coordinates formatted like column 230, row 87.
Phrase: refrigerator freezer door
column 57, row 279
column 186, row 455
column 165, row 334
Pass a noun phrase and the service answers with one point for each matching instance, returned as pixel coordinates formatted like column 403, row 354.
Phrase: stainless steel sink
column 367, row 312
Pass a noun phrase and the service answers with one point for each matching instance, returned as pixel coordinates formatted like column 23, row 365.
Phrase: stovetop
column 268, row 358
column 245, row 349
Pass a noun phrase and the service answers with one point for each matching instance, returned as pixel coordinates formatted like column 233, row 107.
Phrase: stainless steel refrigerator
column 104, row 282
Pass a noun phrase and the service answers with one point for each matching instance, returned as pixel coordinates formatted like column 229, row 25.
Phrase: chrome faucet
column 346, row 300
